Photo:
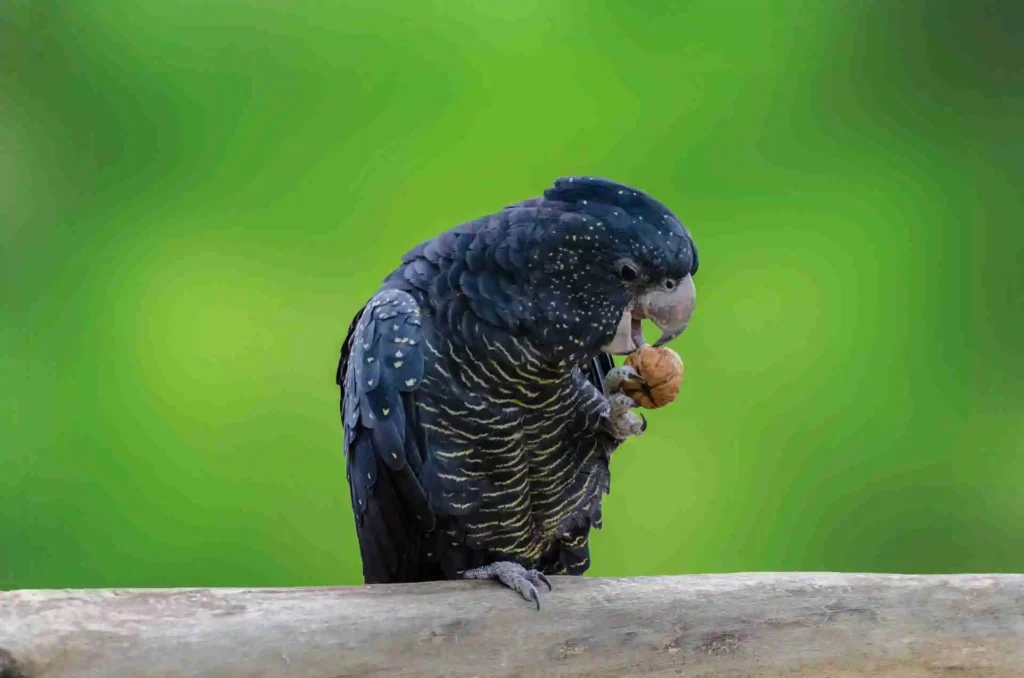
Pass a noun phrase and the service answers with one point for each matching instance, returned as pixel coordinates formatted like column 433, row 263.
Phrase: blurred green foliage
column 196, row 197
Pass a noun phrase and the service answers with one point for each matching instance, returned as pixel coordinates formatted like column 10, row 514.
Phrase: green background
column 196, row 197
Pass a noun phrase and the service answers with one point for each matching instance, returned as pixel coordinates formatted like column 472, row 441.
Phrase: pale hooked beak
column 670, row 310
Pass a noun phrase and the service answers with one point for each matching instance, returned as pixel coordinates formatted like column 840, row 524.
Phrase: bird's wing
column 382, row 364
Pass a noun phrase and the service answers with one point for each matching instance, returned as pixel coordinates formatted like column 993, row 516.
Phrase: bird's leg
column 512, row 575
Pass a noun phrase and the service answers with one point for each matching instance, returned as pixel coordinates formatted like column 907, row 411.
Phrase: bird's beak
column 629, row 336
column 670, row 310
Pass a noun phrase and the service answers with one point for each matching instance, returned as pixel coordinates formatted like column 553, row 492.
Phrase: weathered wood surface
column 766, row 625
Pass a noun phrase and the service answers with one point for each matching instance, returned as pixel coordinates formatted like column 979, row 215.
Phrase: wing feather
column 381, row 366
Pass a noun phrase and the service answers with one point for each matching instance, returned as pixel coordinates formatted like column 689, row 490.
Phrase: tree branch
column 763, row 625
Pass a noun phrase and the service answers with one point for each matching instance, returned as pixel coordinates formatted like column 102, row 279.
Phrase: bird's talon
column 512, row 575
column 540, row 576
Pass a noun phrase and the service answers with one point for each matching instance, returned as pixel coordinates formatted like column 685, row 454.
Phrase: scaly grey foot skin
column 622, row 421
column 514, row 576
column 614, row 378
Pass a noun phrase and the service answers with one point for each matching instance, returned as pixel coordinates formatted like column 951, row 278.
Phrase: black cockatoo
column 480, row 402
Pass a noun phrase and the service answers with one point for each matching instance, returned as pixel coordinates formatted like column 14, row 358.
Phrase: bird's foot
column 514, row 576
column 615, row 377
column 623, row 422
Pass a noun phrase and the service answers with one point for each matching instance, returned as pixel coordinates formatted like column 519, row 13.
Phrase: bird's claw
column 622, row 421
column 540, row 576
column 616, row 376
column 534, row 595
column 514, row 576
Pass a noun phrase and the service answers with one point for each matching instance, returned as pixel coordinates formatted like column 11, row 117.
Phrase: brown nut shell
column 662, row 372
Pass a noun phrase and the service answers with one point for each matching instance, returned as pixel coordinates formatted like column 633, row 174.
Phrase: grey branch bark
column 762, row 625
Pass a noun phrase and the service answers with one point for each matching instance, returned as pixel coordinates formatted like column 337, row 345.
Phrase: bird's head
column 614, row 258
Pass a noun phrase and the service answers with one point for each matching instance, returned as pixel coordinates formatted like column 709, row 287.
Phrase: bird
column 479, row 396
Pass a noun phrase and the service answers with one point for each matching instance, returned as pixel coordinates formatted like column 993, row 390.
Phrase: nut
column 662, row 372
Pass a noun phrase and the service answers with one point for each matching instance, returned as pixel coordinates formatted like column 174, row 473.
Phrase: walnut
column 662, row 372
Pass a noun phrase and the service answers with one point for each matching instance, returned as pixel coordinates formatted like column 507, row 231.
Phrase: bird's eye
column 670, row 284
column 628, row 272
